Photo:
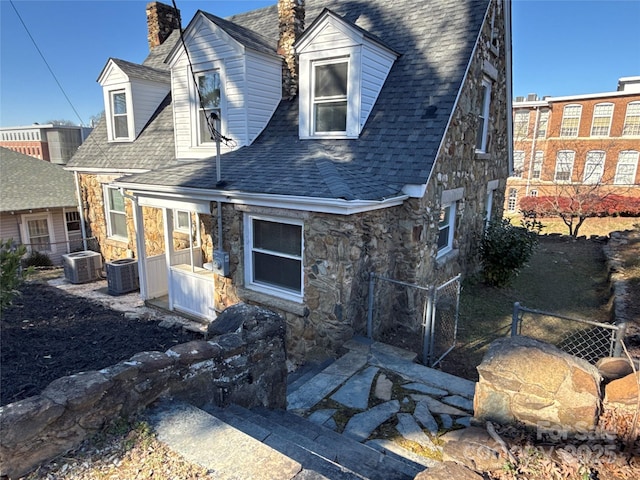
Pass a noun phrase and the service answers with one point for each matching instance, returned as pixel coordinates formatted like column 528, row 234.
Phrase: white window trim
column 512, row 195
column 521, row 156
column 635, row 169
column 111, row 130
column 610, row 117
column 218, row 66
column 486, row 109
column 450, row 198
column 587, row 175
column 573, row 162
column 25, row 230
column 492, row 186
column 627, row 117
column 564, row 116
column 176, row 224
column 306, row 86
column 248, row 260
column 107, row 216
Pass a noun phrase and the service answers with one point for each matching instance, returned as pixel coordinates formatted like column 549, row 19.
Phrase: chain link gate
column 426, row 316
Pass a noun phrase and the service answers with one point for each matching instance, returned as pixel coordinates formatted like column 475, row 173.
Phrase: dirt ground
column 48, row 333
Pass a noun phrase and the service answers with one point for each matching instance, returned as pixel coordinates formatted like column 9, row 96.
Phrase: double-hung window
column 39, row 236
column 564, row 165
column 632, row 120
column 273, row 256
column 521, row 124
column 536, row 171
column 209, row 104
column 626, row 168
column 119, row 118
column 330, row 89
column 543, row 123
column 593, row 167
column 483, row 117
column 570, row 120
column 446, row 227
column 601, row 124
column 518, row 163
column 115, row 213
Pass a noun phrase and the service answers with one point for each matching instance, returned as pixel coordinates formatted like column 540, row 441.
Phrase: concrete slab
column 361, row 425
column 355, row 392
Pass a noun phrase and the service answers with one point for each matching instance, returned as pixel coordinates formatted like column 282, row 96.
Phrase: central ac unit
column 122, row 276
column 82, row 267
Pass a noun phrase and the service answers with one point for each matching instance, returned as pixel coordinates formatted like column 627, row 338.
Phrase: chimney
column 291, row 25
column 161, row 21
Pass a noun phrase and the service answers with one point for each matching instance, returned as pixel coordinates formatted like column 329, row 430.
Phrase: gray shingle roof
column 143, row 72
column 29, row 183
column 399, row 143
column 245, row 36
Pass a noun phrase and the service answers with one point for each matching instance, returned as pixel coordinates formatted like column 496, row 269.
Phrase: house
column 578, row 141
column 281, row 156
column 53, row 143
column 38, row 205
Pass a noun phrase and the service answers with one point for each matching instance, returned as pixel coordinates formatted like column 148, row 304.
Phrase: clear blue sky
column 560, row 47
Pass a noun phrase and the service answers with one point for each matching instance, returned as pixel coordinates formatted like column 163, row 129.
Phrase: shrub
column 37, row 259
column 505, row 249
column 11, row 272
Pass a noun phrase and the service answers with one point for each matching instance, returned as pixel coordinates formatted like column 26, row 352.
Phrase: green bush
column 505, row 249
column 11, row 272
column 37, row 259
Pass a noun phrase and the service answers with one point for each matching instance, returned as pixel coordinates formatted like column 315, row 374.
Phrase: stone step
column 305, row 373
column 364, row 461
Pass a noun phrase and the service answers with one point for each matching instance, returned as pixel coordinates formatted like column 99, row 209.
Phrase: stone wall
column 245, row 366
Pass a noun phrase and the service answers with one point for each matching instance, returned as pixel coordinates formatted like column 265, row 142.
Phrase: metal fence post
column 372, row 277
column 514, row 319
column 620, row 333
column 427, row 327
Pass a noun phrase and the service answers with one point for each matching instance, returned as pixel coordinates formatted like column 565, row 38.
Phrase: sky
column 560, row 47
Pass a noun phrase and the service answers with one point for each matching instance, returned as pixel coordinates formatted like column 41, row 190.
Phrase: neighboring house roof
column 400, row 141
column 29, row 183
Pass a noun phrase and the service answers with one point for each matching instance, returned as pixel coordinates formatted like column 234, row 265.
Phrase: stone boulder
column 447, row 471
column 525, row 380
column 613, row 368
column 623, row 392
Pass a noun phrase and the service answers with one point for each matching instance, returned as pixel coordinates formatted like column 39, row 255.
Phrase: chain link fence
column 585, row 339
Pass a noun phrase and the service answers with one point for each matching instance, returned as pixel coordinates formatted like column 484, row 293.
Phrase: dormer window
column 209, row 104
column 120, row 122
column 330, row 80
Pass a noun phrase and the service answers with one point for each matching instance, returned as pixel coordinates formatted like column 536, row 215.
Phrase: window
column 446, row 227
column 632, row 119
column 521, row 124
column 115, row 213
column 330, row 80
column 483, row 117
column 564, row 165
column 120, row 122
column 39, row 238
column 570, row 120
column 209, row 103
column 533, row 193
column 512, row 201
column 492, row 186
column 273, row 256
column 593, row 167
column 626, row 168
column 601, row 124
column 537, row 164
column 543, row 123
column 181, row 220
column 518, row 163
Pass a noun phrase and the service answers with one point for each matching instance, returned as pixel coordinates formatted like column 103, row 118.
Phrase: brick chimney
column 291, row 24
column 161, row 21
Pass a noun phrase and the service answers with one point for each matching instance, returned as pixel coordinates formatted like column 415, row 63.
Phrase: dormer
column 342, row 69
column 226, row 70
column 131, row 93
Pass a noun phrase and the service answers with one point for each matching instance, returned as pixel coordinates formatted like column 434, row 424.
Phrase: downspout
column 509, row 81
column 533, row 150
column 80, row 211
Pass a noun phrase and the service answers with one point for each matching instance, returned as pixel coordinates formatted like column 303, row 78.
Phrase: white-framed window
column 330, row 87
column 38, row 232
column 570, row 120
column 632, row 120
column 115, row 213
column 512, row 200
column 119, row 115
column 543, row 124
column 273, row 256
column 518, row 164
column 601, row 123
column 538, row 160
column 209, row 101
column 446, row 228
column 626, row 168
column 483, row 117
column 492, row 186
column 564, row 165
column 533, row 193
column 181, row 221
column 593, row 167
column 521, row 124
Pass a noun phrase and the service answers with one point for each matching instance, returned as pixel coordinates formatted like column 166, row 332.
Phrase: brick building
column 53, row 143
column 577, row 141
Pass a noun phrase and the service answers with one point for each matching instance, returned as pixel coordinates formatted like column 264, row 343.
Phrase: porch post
column 167, row 218
column 138, row 221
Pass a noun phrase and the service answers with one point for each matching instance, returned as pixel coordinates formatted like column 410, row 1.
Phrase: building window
column 330, row 80
column 626, row 168
column 120, row 122
column 39, row 237
column 601, row 124
column 273, row 256
column 533, row 193
column 521, row 124
column 209, row 104
column 446, row 228
column 115, row 213
column 564, row 165
column 483, row 117
column 181, row 220
column 632, row 120
column 512, row 200
column 570, row 120
column 518, row 163
column 593, row 167
column 536, row 171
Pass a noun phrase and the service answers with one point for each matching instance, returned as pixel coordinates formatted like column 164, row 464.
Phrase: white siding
column 146, row 97
column 376, row 65
column 9, row 227
column 264, row 91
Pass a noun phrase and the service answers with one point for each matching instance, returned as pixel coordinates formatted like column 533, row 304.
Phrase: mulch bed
column 47, row 334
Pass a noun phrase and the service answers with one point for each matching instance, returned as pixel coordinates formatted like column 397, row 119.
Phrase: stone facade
column 161, row 21
column 291, row 26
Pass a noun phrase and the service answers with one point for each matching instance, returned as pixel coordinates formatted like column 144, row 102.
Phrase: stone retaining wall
column 245, row 367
